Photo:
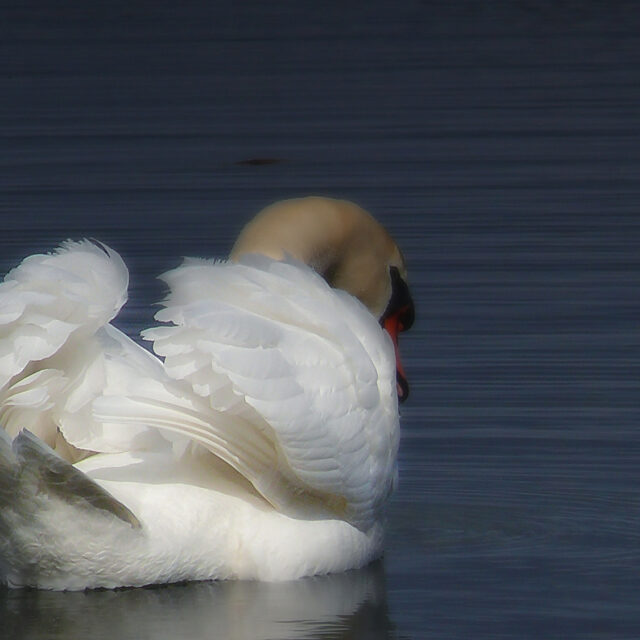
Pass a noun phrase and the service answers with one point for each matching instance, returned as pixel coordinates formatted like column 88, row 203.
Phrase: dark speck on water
column 258, row 162
column 499, row 142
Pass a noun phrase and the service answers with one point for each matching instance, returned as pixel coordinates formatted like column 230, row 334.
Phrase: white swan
column 262, row 447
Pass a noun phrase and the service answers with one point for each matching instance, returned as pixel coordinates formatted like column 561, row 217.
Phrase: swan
column 258, row 441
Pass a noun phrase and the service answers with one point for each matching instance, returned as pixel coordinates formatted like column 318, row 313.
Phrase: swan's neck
column 337, row 238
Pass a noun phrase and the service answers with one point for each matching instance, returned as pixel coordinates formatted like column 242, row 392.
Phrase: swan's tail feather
column 44, row 503
column 58, row 478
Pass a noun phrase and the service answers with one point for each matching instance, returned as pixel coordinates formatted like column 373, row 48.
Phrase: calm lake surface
column 500, row 144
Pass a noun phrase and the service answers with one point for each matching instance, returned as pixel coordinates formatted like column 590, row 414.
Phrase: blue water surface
column 499, row 142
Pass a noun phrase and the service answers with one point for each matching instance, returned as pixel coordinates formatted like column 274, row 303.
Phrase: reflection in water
column 346, row 605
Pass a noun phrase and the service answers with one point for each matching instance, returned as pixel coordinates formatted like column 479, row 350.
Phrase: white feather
column 313, row 364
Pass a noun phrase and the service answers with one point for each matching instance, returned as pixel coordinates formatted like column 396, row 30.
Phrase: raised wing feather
column 58, row 353
column 306, row 366
column 49, row 298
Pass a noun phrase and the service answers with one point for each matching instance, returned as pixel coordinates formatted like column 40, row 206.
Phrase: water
column 500, row 144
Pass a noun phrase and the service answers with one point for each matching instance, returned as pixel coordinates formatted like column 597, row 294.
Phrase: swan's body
column 263, row 447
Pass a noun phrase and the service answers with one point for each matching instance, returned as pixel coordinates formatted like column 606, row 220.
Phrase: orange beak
column 393, row 326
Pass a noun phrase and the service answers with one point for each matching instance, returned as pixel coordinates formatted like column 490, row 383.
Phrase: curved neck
column 337, row 238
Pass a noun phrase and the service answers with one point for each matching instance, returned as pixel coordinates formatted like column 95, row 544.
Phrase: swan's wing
column 110, row 364
column 58, row 352
column 304, row 368
column 50, row 299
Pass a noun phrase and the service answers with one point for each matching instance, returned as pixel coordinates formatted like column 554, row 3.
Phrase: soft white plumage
column 264, row 445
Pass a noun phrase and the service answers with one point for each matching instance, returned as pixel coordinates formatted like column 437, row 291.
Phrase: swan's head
column 348, row 247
